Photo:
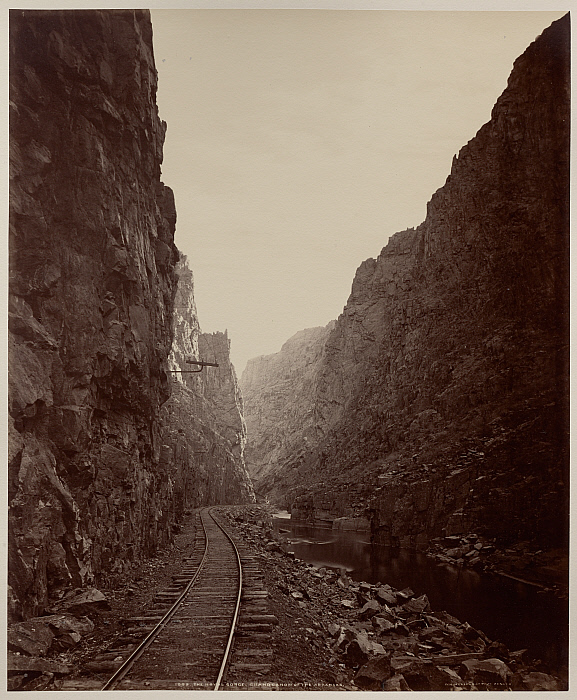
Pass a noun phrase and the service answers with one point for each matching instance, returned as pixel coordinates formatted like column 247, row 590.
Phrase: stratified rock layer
column 203, row 420
column 441, row 394
column 92, row 285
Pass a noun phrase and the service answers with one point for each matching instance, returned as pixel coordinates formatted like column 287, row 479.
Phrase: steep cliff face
column 279, row 393
column 442, row 390
column 92, row 286
column 204, row 428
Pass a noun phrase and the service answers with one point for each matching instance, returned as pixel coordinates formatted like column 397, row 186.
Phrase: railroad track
column 189, row 645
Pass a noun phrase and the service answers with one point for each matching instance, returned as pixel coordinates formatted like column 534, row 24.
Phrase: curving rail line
column 190, row 646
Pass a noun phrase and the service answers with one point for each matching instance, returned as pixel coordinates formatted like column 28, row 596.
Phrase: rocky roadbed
column 87, row 661
column 332, row 634
column 372, row 637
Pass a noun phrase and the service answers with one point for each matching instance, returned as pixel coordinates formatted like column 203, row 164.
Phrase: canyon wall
column 440, row 398
column 204, row 429
column 91, row 482
column 279, row 393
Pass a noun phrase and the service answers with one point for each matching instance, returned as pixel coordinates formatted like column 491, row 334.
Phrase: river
column 519, row 615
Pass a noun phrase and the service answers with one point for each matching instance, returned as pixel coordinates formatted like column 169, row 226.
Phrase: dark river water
column 507, row 611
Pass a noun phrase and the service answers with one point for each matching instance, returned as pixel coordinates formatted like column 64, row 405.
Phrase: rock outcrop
column 441, row 393
column 92, row 286
column 204, row 428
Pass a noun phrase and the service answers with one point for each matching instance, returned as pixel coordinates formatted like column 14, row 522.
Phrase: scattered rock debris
column 335, row 633
column 329, row 632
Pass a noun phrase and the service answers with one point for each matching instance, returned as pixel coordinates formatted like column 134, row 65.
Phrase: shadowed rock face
column 440, row 394
column 92, row 286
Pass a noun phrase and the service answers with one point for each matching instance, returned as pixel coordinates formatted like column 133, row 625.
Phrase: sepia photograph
column 351, row 224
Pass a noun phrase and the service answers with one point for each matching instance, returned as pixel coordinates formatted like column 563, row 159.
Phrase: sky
column 300, row 140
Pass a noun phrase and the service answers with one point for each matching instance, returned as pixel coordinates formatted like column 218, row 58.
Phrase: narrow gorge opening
column 419, row 440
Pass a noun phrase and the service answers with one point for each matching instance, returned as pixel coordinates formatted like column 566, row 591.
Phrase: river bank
column 524, row 561
column 507, row 609
column 351, row 624
column 332, row 632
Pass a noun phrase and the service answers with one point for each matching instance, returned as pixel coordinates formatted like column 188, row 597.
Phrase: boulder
column 360, row 648
column 343, row 580
column 86, row 602
column 333, row 629
column 272, row 546
column 376, row 648
column 395, row 683
column 32, row 663
column 452, row 679
column 402, row 629
column 387, row 613
column 40, row 682
column 372, row 675
column 458, row 552
column 423, row 675
column 358, row 651
column 417, row 605
column 540, row 681
column 498, row 650
column 381, row 624
column 405, row 594
column 385, row 596
column 37, row 635
column 346, row 635
column 486, row 674
column 31, row 637
column 369, row 609
column 473, row 634
column 362, row 597
column 15, row 681
column 444, row 617
column 68, row 623
column 516, row 657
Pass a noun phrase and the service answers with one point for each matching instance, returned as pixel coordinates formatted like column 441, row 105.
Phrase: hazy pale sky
column 298, row 141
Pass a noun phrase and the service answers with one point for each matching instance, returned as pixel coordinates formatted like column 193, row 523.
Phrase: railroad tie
column 253, row 652
column 190, row 637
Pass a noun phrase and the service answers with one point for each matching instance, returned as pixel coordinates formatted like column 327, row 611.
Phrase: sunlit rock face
column 279, row 394
column 441, row 393
column 92, row 484
column 203, row 420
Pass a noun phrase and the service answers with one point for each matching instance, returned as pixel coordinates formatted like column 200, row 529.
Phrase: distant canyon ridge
column 437, row 403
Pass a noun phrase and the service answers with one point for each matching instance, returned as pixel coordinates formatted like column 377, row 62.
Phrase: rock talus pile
column 375, row 637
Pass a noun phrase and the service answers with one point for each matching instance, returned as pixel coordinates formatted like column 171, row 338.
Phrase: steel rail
column 125, row 668
column 227, row 651
column 161, row 624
